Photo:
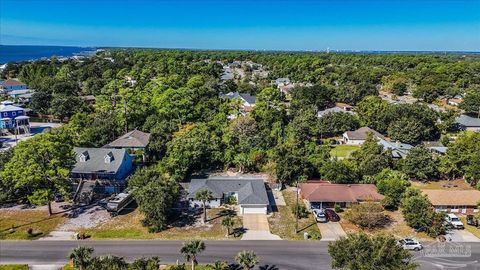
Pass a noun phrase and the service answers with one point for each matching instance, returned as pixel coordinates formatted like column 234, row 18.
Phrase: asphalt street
column 291, row 255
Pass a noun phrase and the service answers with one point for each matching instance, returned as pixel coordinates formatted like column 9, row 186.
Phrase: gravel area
column 89, row 218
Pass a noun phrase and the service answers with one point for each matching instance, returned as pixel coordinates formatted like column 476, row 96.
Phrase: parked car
column 472, row 221
column 331, row 215
column 320, row 215
column 59, row 197
column 454, row 222
column 410, row 244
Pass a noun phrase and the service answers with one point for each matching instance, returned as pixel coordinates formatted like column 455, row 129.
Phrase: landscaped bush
column 302, row 210
column 367, row 215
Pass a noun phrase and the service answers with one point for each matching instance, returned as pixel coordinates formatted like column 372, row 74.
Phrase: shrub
column 338, row 208
column 367, row 215
column 302, row 210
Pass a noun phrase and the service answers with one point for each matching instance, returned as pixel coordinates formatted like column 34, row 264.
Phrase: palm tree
column 247, row 259
column 204, row 196
column 228, row 223
column 191, row 249
column 109, row 262
column 81, row 256
column 219, row 265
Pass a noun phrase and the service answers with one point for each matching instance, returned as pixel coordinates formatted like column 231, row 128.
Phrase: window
column 5, row 114
column 14, row 113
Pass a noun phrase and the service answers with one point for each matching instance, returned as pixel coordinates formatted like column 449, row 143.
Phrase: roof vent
column 84, row 156
column 109, row 157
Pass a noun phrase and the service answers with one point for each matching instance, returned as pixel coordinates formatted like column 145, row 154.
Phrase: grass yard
column 343, row 150
column 474, row 230
column 398, row 227
column 14, row 267
column 129, row 226
column 14, row 224
column 282, row 223
column 458, row 184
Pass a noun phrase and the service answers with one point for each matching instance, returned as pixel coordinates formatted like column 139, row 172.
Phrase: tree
column 155, row 193
column 338, row 171
column 108, row 262
column 420, row 164
column 471, row 101
column 367, row 215
column 332, row 124
column 191, row 249
column 393, row 185
column 45, row 161
column 360, row 251
column 228, row 223
column 463, row 158
column 204, row 196
column 152, row 263
column 372, row 112
column 371, row 158
column 81, row 256
column 246, row 259
column 219, row 265
column 419, row 214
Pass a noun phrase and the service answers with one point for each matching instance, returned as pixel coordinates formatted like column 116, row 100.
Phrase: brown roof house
column 358, row 137
column 320, row 194
column 454, row 201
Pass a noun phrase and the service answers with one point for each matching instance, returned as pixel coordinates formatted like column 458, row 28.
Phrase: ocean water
column 14, row 53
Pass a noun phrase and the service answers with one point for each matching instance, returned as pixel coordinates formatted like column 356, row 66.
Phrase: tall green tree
column 371, row 158
column 81, row 256
column 191, row 249
column 360, row 251
column 420, row 164
column 204, row 196
column 246, row 259
column 40, row 167
column 392, row 184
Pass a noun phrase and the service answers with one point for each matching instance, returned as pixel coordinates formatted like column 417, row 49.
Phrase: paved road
column 290, row 255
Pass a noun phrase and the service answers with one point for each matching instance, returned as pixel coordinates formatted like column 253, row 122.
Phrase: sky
column 396, row 25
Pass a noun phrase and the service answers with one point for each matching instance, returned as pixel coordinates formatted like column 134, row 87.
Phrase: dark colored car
column 59, row 197
column 331, row 215
column 472, row 221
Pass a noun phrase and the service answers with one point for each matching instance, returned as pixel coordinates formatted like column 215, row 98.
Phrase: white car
column 410, row 244
column 320, row 215
column 454, row 222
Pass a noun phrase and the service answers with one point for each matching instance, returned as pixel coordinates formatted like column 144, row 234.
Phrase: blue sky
column 249, row 24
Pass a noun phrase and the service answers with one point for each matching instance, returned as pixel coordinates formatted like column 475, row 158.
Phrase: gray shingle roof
column 132, row 139
column 249, row 190
column 244, row 96
column 361, row 134
column 95, row 162
column 468, row 121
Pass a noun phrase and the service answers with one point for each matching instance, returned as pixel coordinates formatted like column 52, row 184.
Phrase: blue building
column 12, row 84
column 12, row 116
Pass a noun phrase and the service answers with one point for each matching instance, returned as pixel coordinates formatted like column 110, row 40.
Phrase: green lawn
column 14, row 224
column 129, row 226
column 14, row 267
column 343, row 150
column 282, row 223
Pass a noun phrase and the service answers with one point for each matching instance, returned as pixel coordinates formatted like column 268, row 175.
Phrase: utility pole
column 296, row 211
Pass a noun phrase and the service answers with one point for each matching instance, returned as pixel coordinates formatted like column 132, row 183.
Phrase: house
column 468, row 123
column 399, row 149
column 13, row 116
column 281, row 81
column 339, row 107
column 435, row 147
column 454, row 201
column 24, row 95
column 249, row 193
column 321, row 194
column 248, row 101
column 134, row 139
column 12, row 84
column 107, row 164
column 358, row 137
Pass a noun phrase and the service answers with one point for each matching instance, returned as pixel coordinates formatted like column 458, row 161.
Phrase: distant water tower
column 328, row 49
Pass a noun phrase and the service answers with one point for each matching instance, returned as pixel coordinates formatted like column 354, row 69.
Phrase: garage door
column 254, row 210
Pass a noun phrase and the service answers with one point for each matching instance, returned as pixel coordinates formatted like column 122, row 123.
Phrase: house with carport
column 454, row 201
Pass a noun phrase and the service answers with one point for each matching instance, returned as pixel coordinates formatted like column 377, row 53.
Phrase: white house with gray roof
column 102, row 164
column 250, row 193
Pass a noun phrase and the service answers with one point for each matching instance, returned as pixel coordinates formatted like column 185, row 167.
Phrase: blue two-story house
column 12, row 84
column 108, row 166
column 12, row 116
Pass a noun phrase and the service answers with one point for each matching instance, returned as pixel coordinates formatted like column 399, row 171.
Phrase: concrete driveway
column 462, row 236
column 331, row 231
column 257, row 228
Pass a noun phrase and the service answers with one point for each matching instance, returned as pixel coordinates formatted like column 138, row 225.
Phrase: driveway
column 257, row 228
column 462, row 236
column 331, row 231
